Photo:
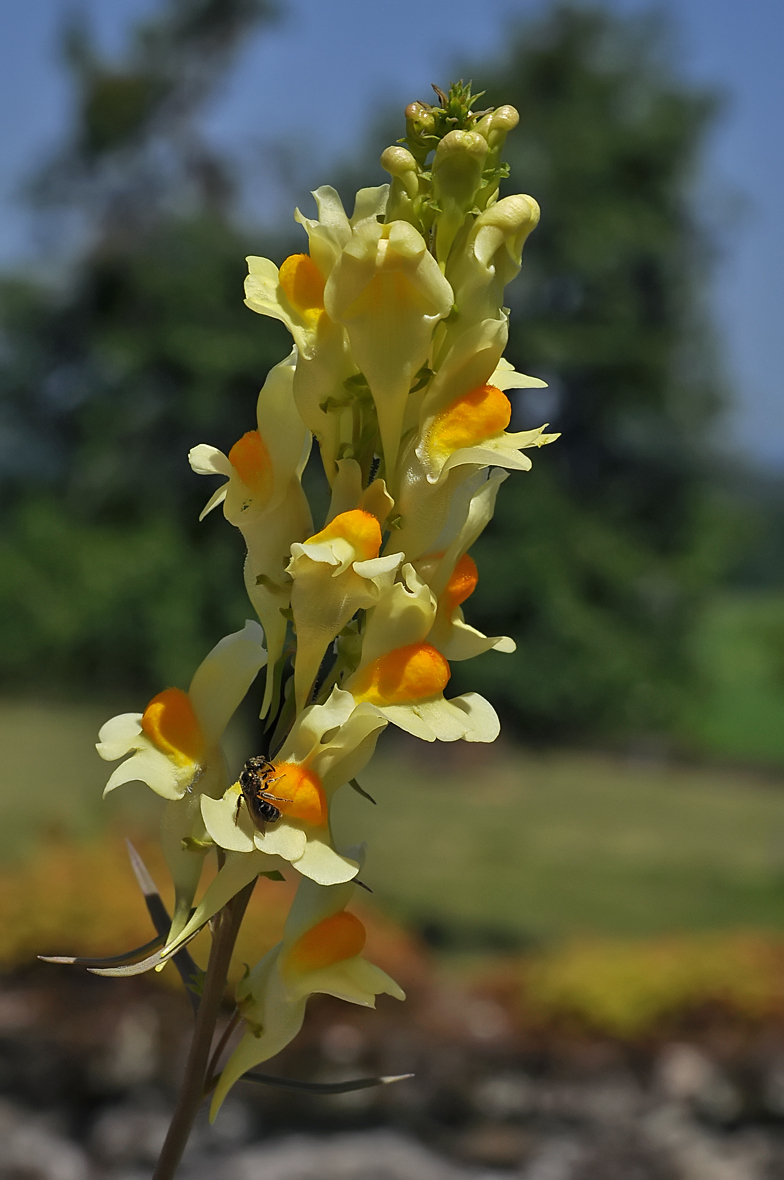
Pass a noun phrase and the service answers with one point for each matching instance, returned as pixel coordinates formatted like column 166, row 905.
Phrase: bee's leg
column 237, row 812
column 277, row 798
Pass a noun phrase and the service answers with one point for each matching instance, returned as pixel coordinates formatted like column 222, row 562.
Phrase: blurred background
column 588, row 917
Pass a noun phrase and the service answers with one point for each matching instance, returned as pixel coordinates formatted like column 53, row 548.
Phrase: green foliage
column 109, row 379
column 598, row 562
column 107, row 577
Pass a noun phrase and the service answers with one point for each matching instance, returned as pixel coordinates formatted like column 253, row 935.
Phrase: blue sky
column 321, row 69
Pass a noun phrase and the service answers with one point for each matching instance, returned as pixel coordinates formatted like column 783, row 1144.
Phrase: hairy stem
column 225, row 929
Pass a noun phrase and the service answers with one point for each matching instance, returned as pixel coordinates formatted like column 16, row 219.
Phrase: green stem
column 226, row 927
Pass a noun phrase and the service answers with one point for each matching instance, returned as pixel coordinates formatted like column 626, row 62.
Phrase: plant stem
column 226, row 928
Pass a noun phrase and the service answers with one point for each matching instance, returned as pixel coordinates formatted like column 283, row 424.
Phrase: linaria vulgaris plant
column 397, row 370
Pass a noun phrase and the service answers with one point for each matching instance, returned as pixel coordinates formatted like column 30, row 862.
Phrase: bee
column 256, row 777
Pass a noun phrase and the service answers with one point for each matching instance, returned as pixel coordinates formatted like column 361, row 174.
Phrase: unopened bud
column 509, row 222
column 405, row 187
column 420, row 128
column 399, row 163
column 419, row 118
column 457, row 176
column 457, row 167
column 496, row 125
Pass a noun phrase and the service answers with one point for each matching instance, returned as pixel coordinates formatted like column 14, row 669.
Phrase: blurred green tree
column 139, row 350
column 599, row 561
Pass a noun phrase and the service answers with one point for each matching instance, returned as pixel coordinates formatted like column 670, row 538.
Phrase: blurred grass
column 486, row 848
column 552, row 845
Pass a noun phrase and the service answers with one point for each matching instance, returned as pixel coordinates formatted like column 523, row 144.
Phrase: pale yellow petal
column 150, row 766
column 119, row 735
column 350, row 750
column 306, row 734
column 223, row 678
column 282, row 839
column 208, row 460
column 459, row 641
column 355, row 980
column 215, row 499
column 227, row 824
column 281, row 1026
column 324, row 865
column 280, row 426
column 404, row 615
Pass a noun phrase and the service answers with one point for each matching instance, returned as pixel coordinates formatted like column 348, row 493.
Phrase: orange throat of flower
column 339, row 937
column 298, row 793
column 303, row 285
column 407, row 674
column 251, row 460
column 460, row 586
column 173, row 728
column 468, row 421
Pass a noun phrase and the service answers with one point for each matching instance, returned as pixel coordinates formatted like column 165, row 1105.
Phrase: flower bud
column 490, row 259
column 402, row 167
column 495, row 127
column 457, row 175
column 399, row 162
column 420, row 128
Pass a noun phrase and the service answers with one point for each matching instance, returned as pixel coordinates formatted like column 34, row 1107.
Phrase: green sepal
column 192, row 844
column 268, row 584
column 352, row 782
column 421, row 379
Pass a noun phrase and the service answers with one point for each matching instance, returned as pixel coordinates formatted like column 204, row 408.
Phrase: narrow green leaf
column 265, row 1079
column 113, row 960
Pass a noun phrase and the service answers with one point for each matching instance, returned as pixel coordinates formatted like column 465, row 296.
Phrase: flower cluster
column 397, row 371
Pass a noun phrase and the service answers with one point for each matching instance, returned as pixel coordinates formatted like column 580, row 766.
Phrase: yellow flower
column 335, row 573
column 490, row 258
column 175, row 748
column 175, row 743
column 452, row 575
column 462, row 428
column 321, row 951
column 328, row 745
column 402, row 675
column 264, row 499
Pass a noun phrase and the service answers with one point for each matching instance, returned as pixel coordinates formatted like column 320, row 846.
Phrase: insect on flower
column 256, row 777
